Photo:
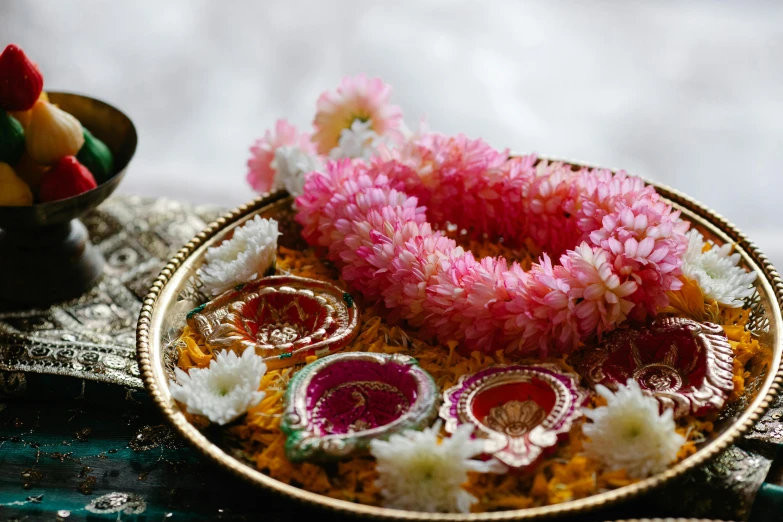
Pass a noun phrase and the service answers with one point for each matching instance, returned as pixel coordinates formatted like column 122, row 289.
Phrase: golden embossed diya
column 285, row 319
column 511, row 419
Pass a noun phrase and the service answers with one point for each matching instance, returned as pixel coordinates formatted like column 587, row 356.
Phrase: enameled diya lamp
column 521, row 411
column 338, row 404
column 284, row 318
column 684, row 364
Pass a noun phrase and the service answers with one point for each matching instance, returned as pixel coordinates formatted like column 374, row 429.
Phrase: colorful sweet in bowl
column 61, row 155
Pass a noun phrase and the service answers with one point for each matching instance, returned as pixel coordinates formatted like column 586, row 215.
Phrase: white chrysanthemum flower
column 630, row 433
column 291, row 164
column 249, row 254
column 419, row 474
column 716, row 271
column 360, row 141
column 225, row 390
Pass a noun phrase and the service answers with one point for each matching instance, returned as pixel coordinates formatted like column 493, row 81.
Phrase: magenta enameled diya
column 521, row 411
column 284, row 318
column 337, row 405
column 684, row 364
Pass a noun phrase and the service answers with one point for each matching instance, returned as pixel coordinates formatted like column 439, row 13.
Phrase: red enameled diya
column 521, row 411
column 284, row 318
column 684, row 364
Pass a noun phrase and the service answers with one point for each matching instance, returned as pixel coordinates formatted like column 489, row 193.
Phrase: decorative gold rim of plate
column 693, row 210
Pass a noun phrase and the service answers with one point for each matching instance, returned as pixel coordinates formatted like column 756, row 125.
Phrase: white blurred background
column 689, row 93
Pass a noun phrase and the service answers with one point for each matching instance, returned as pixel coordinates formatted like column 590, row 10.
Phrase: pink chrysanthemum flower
column 462, row 301
column 602, row 192
column 364, row 229
column 601, row 293
column 319, row 189
column 540, row 315
column 645, row 242
column 357, row 98
column 355, row 211
column 261, row 172
column 454, row 176
column 413, row 269
column 549, row 203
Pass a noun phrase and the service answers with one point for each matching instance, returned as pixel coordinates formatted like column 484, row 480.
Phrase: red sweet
column 66, row 179
column 21, row 81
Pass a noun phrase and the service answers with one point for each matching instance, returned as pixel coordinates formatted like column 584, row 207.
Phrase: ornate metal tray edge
column 153, row 376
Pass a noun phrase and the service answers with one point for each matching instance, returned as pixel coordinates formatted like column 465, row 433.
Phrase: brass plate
column 171, row 297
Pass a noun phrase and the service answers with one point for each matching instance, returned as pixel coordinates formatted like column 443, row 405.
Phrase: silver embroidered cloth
column 94, row 336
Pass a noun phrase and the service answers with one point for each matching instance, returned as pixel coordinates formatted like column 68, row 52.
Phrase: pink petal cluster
column 619, row 244
column 463, row 171
column 261, row 173
column 356, row 98
column 644, row 238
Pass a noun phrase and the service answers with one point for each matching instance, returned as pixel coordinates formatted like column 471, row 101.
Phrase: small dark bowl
column 45, row 251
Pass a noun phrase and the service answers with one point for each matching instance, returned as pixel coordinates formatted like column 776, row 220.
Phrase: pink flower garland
column 618, row 244
column 627, row 256
column 628, row 253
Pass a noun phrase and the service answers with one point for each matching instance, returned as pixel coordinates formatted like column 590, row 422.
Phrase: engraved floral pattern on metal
column 337, row 405
column 284, row 318
column 521, row 411
column 684, row 364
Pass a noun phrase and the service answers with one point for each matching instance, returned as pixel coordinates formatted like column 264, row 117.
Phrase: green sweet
column 11, row 139
column 97, row 157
